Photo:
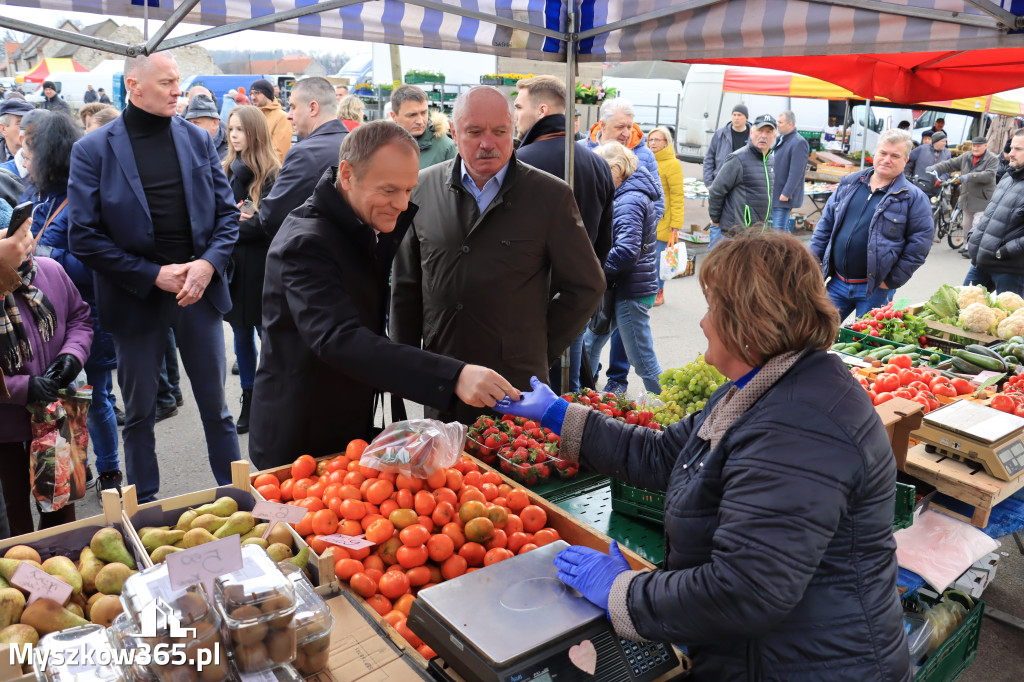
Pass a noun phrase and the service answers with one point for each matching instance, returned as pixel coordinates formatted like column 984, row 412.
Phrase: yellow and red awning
column 50, row 67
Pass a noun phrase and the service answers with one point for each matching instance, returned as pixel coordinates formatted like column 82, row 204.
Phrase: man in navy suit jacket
column 152, row 214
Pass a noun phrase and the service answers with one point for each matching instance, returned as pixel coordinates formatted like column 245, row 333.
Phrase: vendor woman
column 780, row 561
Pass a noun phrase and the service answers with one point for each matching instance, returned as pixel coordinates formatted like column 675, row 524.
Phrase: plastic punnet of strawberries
column 617, row 407
column 522, row 449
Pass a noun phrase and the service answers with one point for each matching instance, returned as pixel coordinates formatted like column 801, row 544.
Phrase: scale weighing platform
column 517, row 622
column 970, row 432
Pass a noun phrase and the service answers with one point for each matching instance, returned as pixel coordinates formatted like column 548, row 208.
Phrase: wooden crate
column 961, row 482
column 950, row 332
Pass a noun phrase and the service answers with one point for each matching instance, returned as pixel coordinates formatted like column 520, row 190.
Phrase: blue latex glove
column 590, row 572
column 532, row 405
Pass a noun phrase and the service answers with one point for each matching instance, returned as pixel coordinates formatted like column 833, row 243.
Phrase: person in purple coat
column 45, row 338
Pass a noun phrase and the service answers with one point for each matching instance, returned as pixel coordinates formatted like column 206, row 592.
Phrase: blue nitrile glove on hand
column 532, row 404
column 590, row 572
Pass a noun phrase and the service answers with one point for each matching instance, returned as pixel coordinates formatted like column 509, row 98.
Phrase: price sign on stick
column 40, row 584
column 349, row 541
column 274, row 513
column 204, row 563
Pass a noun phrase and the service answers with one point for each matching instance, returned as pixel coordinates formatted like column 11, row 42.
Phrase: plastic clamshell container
column 257, row 603
column 281, row 673
column 190, row 605
column 122, row 637
column 530, row 473
column 313, row 624
column 70, row 665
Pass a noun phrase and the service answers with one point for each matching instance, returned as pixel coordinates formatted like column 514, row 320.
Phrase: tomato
column 363, row 584
column 887, row 383
column 882, row 398
column 908, row 376
column 1002, row 403
column 962, row 386
column 904, row 361
column 922, row 400
column 393, row 584
column 919, row 386
column 946, row 390
column 907, row 393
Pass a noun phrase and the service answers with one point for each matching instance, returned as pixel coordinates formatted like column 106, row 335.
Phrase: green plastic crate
column 639, row 503
column 847, row 335
column 594, row 508
column 905, row 498
column 958, row 651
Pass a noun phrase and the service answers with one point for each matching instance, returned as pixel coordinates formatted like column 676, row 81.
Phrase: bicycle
column 947, row 214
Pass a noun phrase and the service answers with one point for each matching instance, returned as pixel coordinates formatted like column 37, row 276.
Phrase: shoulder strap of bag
column 49, row 220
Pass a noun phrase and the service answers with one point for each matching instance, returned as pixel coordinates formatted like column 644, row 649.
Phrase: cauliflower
column 1010, row 301
column 971, row 294
column 977, row 317
column 1019, row 312
column 1011, row 326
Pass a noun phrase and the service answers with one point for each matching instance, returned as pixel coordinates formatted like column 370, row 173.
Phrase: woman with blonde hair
column 671, row 172
column 350, row 111
column 251, row 166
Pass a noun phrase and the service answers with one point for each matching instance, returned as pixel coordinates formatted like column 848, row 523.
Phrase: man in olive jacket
column 977, row 182
column 325, row 354
column 492, row 239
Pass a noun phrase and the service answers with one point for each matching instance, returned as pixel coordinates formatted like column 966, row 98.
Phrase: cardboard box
column 900, row 417
column 976, row 578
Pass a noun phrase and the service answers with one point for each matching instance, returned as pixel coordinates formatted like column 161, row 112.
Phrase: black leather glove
column 63, row 370
column 42, row 390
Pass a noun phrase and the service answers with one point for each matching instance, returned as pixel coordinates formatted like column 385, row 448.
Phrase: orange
column 426, row 652
column 446, row 495
column 404, row 603
column 325, row 522
column 453, row 567
column 472, row 478
column 408, row 634
column 545, row 536
column 388, row 506
column 409, row 483
column 392, row 617
column 375, row 574
column 305, row 526
column 498, row 516
column 269, row 491
column 414, row 535
column 473, row 553
column 346, row 568
column 349, row 492
column 388, row 550
column 369, row 472
column 527, row 547
column 350, row 527
column 453, row 531
column 443, row 513
column 355, row 448
column 354, row 478
column 454, row 479
column 373, row 563
column 379, row 603
column 471, row 510
column 403, row 518
column 518, row 499
column 360, row 554
column 379, row 491
column 489, row 490
column 427, row 523
column 303, row 467
column 363, row 584
column 287, row 487
column 313, row 504
column 367, row 521
column 339, row 463
column 265, row 479
column 440, row 547
column 534, row 518
column 410, row 557
column 353, row 509
column 499, row 539
column 515, row 541
column 317, row 489
column 394, row 584
column 495, row 555
column 479, row 529
column 403, row 496
column 299, row 490
column 491, row 477
column 317, row 544
column 470, row 493
column 331, row 491
column 424, row 502
column 513, row 524
column 380, row 530
column 418, row 575
column 321, row 468
column 437, row 479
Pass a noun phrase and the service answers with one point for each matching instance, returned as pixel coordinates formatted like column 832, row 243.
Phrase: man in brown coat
column 492, row 239
column 977, row 182
column 262, row 94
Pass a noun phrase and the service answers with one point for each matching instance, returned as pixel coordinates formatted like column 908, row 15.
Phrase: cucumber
column 854, row 348
column 880, row 353
column 906, row 350
column 964, row 367
column 839, row 346
column 1017, row 351
column 914, row 356
column 982, row 361
column 863, row 353
column 982, row 350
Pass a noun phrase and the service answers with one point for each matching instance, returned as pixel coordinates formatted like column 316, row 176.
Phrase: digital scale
column 516, row 621
column 970, row 432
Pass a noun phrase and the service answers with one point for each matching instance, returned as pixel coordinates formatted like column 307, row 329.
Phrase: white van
column 706, row 108
column 880, row 118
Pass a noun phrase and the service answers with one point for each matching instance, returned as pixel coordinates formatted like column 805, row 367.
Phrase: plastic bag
column 57, row 454
column 673, row 261
column 415, row 448
column 940, row 548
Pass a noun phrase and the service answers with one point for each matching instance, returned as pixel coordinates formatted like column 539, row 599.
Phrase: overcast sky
column 239, row 41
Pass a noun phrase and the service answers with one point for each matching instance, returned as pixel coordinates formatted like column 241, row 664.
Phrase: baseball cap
column 15, row 106
column 766, row 120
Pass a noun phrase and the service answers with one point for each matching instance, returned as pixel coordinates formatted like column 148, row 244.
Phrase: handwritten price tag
column 277, row 513
column 349, row 541
column 40, row 584
column 204, row 563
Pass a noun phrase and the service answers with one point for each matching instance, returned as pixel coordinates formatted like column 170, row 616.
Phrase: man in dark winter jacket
column 90, row 95
column 202, row 112
column 313, row 112
column 730, row 138
column 791, row 154
column 54, row 102
column 996, row 245
column 325, row 305
column 411, row 110
column 540, row 122
column 925, row 157
column 103, row 97
column 875, row 232
column 741, row 195
column 977, row 182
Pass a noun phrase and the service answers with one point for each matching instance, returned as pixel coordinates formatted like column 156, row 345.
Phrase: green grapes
column 686, row 390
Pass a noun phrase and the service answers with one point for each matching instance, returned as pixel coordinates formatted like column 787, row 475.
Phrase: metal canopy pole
column 176, row 18
column 865, row 128
column 63, row 36
column 570, row 139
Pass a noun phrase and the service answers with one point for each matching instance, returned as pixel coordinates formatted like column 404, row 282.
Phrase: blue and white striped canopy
column 609, row 30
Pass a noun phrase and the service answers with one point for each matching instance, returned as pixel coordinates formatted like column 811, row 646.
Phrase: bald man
column 153, row 215
column 482, row 256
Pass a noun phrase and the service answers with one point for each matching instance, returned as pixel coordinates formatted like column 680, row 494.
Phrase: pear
column 108, row 545
column 180, row 544
column 92, row 600
column 23, row 552
column 210, row 522
column 186, row 519
column 8, row 567
column 64, row 567
column 89, row 565
column 76, row 609
column 105, row 609
column 260, row 542
column 12, row 603
column 279, row 552
column 238, row 523
column 280, row 533
column 160, row 553
column 159, row 538
column 3, row 582
column 111, row 578
column 196, row 537
column 222, row 506
column 19, row 634
column 300, row 559
column 257, row 531
column 46, row 616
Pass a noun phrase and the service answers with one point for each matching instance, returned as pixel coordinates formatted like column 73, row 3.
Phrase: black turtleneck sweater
column 157, row 160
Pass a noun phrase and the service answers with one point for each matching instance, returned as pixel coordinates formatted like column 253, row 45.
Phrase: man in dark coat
column 53, row 101
column 325, row 352
column 313, row 113
column 977, row 183
column 104, row 98
column 791, row 154
column 741, row 195
column 90, row 95
column 540, row 122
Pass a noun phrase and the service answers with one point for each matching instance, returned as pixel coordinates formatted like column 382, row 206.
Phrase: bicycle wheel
column 956, row 229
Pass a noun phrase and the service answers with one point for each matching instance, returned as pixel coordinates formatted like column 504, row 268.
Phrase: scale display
column 516, row 621
column 971, row 432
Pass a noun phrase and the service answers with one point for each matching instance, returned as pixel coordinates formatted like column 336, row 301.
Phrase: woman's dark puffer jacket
column 780, row 555
column 632, row 264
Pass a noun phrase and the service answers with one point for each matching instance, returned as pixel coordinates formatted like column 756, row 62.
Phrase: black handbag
column 601, row 321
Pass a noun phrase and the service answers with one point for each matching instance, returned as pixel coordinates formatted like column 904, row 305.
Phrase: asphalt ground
column 181, row 448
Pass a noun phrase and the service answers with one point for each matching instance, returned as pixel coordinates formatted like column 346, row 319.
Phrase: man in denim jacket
column 876, row 230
